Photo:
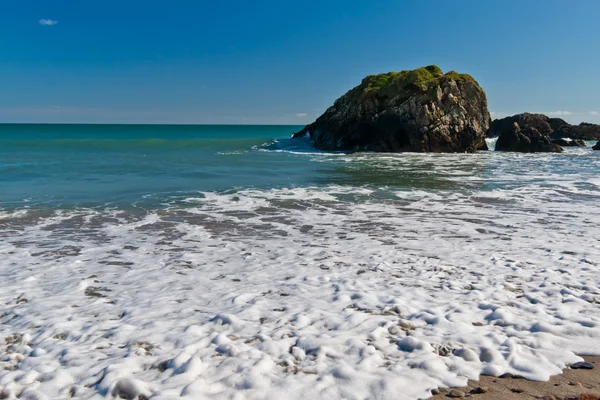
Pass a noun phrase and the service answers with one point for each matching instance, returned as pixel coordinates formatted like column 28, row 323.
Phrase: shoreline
column 571, row 384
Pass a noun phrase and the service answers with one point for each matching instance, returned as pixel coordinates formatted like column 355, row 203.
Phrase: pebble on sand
column 457, row 394
column 582, row 365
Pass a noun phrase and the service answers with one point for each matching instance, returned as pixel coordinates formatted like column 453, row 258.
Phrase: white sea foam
column 300, row 291
column 491, row 143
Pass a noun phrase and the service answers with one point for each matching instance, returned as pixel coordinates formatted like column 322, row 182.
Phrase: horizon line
column 142, row 123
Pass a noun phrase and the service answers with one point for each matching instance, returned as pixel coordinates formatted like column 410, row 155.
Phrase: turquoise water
column 98, row 164
column 150, row 166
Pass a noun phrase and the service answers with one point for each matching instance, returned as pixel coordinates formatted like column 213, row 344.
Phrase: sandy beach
column 580, row 384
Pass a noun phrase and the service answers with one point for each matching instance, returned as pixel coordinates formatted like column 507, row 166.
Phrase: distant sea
column 176, row 260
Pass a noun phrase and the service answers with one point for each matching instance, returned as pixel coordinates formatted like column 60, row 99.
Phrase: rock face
column 596, row 146
column 556, row 128
column 569, row 142
column 540, row 122
column 583, row 131
column 423, row 110
column 526, row 140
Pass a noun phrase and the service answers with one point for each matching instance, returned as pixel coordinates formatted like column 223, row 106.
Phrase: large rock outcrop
column 583, row 131
column 540, row 122
column 422, row 110
column 556, row 128
column 526, row 140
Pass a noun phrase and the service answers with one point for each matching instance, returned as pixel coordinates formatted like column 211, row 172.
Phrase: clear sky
column 284, row 61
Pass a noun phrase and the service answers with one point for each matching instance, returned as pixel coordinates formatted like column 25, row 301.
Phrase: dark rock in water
column 596, row 146
column 557, row 128
column 583, row 131
column 423, row 110
column 540, row 122
column 567, row 142
column 526, row 140
column 582, row 365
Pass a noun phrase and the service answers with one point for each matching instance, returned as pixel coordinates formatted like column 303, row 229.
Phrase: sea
column 233, row 262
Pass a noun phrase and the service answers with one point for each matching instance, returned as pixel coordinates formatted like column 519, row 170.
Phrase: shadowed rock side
column 540, row 122
column 583, row 131
column 556, row 128
column 423, row 110
column 526, row 140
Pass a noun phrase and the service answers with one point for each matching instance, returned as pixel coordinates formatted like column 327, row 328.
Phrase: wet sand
column 571, row 384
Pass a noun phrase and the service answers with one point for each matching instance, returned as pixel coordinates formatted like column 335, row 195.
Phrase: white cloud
column 48, row 22
column 594, row 113
column 300, row 115
column 559, row 113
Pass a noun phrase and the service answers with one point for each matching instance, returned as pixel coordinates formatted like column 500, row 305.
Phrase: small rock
column 582, row 365
column 516, row 390
column 407, row 326
column 457, row 394
column 442, row 350
column 480, row 390
column 549, row 397
column 572, row 383
column 435, row 391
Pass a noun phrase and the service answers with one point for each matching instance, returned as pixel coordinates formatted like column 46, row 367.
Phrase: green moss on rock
column 419, row 77
column 407, row 83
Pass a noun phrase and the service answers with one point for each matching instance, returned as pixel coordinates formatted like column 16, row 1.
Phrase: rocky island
column 421, row 110
column 540, row 122
column 583, row 131
column 532, row 133
column 526, row 139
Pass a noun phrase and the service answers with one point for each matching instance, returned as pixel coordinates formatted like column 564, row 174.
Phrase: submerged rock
column 526, row 140
column 568, row 142
column 422, row 110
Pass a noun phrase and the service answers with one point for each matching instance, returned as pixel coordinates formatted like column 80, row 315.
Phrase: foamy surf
column 218, row 262
column 256, row 293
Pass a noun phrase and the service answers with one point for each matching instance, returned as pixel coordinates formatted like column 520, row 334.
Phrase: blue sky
column 184, row 61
